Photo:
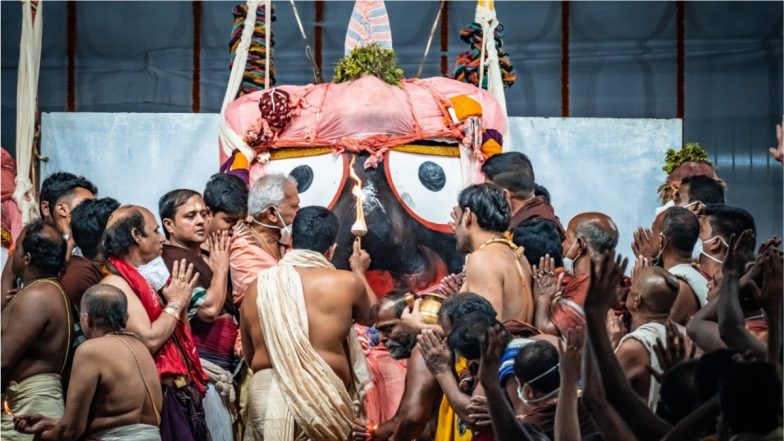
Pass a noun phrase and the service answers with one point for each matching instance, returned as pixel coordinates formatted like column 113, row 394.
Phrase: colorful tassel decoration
column 467, row 63
column 253, row 78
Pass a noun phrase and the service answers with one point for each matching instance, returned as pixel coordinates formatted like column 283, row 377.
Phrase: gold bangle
column 171, row 313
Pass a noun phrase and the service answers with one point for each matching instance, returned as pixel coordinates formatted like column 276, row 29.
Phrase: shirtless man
column 298, row 338
column 495, row 269
column 61, row 192
column 133, row 245
column 114, row 389
column 36, row 329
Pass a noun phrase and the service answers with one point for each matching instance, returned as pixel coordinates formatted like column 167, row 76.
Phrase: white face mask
column 689, row 204
column 665, row 207
column 521, row 389
column 700, row 245
column 155, row 272
column 568, row 262
column 285, row 230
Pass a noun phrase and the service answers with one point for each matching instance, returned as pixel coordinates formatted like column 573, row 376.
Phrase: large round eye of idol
column 425, row 185
column 320, row 178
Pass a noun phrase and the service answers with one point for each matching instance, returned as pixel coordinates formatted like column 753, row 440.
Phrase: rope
column 26, row 97
column 680, row 11
column 228, row 139
column 429, row 38
column 196, row 81
column 565, row 58
column 267, row 32
column 444, row 38
column 308, row 50
column 318, row 38
column 71, row 79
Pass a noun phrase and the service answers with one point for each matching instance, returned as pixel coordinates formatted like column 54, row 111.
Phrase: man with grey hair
column 258, row 243
column 114, row 391
column 560, row 294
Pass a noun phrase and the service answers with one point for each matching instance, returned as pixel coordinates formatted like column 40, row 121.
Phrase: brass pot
column 431, row 304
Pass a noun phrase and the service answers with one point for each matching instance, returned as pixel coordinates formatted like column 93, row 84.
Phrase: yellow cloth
column 465, row 106
column 450, row 427
column 304, row 389
column 42, row 394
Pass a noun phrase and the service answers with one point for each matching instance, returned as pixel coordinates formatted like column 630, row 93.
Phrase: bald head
column 656, row 288
column 126, row 230
column 106, row 307
column 597, row 230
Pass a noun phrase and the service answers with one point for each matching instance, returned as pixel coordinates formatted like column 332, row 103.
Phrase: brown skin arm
column 486, row 283
column 604, row 279
column 419, row 397
column 154, row 334
column 212, row 307
column 632, row 356
column 7, row 282
column 703, row 328
column 685, row 304
column 81, row 390
column 732, row 324
column 697, row 422
column 23, row 323
column 543, row 316
column 249, row 313
column 364, row 299
column 605, row 417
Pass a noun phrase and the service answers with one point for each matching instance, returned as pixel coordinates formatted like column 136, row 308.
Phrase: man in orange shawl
column 560, row 294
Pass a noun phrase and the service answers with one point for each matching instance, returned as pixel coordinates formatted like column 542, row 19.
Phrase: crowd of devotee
column 223, row 317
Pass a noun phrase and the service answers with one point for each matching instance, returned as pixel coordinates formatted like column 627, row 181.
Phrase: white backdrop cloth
column 587, row 164
column 133, row 157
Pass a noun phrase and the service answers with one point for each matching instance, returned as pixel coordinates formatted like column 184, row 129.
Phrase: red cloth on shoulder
column 169, row 359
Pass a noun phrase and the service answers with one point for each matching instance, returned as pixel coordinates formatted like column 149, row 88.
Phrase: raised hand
column 479, row 411
column 673, row 353
column 778, row 152
column 492, row 346
column 359, row 260
column 451, row 284
column 734, row 264
column 219, row 252
column 644, row 243
column 571, row 355
column 546, row 282
column 772, row 270
column 606, row 277
column 640, row 263
column 180, row 287
column 436, row 355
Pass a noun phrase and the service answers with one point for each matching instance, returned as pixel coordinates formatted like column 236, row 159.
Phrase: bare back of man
column 35, row 332
column 332, row 299
column 496, row 273
column 116, row 379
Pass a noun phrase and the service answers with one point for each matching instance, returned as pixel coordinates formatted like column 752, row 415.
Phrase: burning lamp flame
column 7, row 408
column 359, row 228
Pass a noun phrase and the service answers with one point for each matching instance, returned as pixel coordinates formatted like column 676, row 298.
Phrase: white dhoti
column 41, row 394
column 301, row 396
column 131, row 432
column 219, row 401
